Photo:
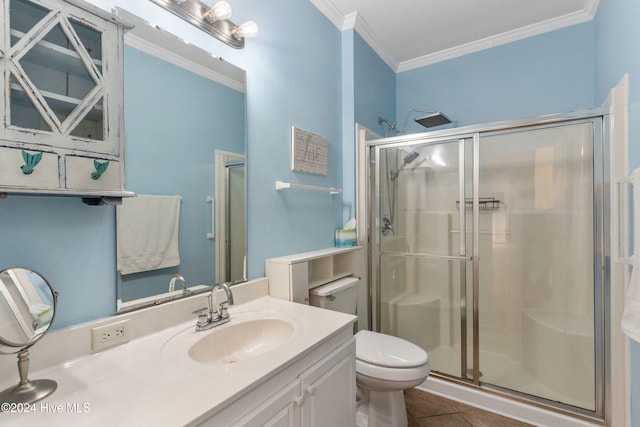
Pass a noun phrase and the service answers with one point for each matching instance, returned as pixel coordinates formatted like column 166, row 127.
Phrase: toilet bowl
column 385, row 365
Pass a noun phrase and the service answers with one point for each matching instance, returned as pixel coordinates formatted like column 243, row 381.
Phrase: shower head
column 391, row 126
column 436, row 118
column 433, row 118
column 410, row 157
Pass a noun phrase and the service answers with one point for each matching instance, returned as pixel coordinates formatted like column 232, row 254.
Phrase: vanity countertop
column 147, row 382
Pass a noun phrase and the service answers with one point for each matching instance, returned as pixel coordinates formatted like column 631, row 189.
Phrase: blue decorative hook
column 30, row 160
column 100, row 169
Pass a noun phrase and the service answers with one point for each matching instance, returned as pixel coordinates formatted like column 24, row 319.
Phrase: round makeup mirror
column 27, row 309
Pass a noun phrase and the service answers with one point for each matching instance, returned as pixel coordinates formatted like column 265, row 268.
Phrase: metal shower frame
column 599, row 117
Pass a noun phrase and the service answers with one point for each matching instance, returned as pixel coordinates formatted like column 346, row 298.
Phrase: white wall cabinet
column 318, row 391
column 62, row 104
column 291, row 277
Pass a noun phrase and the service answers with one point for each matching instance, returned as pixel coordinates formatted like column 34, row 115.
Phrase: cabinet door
column 329, row 389
column 281, row 410
column 300, row 282
column 61, row 72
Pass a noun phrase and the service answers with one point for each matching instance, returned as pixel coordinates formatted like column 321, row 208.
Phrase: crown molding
column 500, row 39
column 168, row 47
column 332, row 13
column 353, row 20
column 374, row 42
column 591, row 7
column 196, row 66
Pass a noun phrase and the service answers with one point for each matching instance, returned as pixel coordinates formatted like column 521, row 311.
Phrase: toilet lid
column 386, row 350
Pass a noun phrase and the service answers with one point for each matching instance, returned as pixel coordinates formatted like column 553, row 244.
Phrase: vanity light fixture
column 211, row 16
column 247, row 30
column 219, row 10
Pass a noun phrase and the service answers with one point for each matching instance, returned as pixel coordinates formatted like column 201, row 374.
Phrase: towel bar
column 284, row 185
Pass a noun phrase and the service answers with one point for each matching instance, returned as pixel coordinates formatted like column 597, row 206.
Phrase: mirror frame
column 37, row 335
column 167, row 47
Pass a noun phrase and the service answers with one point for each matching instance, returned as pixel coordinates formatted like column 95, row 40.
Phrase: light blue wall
column 564, row 70
column 69, row 243
column 552, row 72
column 375, row 87
column 175, row 120
column 369, row 92
column 348, row 119
column 293, row 79
column 617, row 35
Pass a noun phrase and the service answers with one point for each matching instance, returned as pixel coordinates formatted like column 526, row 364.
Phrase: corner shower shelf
column 485, row 203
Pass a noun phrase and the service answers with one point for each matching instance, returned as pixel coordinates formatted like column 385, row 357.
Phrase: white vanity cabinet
column 318, row 390
column 280, row 410
column 291, row 277
column 62, row 104
column 329, row 391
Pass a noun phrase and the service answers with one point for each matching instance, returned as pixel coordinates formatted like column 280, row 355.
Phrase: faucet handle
column 200, row 310
column 203, row 317
column 224, row 310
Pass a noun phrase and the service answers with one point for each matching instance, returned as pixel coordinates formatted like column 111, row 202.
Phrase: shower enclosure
column 486, row 248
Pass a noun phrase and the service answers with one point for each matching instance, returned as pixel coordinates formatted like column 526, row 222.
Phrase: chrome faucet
column 215, row 314
column 178, row 278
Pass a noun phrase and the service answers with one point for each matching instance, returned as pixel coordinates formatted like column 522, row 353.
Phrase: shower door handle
column 430, row 256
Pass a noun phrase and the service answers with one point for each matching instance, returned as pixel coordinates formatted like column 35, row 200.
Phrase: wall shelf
column 291, row 277
column 280, row 185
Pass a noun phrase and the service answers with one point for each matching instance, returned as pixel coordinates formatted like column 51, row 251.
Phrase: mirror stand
column 27, row 391
column 28, row 307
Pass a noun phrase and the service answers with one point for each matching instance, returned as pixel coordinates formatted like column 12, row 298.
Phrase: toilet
column 385, row 365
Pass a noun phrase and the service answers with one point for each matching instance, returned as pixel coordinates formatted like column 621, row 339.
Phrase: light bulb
column 218, row 11
column 246, row 30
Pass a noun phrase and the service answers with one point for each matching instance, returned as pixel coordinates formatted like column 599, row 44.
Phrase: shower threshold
column 503, row 399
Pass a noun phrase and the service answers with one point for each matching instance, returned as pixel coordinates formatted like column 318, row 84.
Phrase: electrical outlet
column 107, row 336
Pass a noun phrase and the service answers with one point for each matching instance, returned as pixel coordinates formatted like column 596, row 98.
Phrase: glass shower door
column 537, row 264
column 421, row 265
column 487, row 252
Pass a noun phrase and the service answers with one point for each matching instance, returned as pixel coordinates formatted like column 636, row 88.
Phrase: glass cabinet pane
column 23, row 16
column 59, row 74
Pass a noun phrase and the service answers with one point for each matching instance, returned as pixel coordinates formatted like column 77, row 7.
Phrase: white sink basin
column 241, row 340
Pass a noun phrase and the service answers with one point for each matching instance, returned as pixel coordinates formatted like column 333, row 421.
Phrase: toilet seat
column 388, row 351
column 389, row 358
column 392, row 374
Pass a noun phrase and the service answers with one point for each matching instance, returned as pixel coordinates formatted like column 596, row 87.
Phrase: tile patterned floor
column 429, row 410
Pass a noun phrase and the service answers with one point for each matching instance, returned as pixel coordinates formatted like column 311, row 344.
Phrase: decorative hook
column 100, row 169
column 30, row 160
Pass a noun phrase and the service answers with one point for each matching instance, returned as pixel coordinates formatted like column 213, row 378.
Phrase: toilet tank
column 340, row 295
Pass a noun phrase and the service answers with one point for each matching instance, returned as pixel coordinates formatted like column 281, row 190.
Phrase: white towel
column 631, row 313
column 147, row 228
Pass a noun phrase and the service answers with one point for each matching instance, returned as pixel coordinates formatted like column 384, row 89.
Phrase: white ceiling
column 409, row 34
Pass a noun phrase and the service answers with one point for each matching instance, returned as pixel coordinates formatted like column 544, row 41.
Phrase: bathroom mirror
column 27, row 309
column 183, row 107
